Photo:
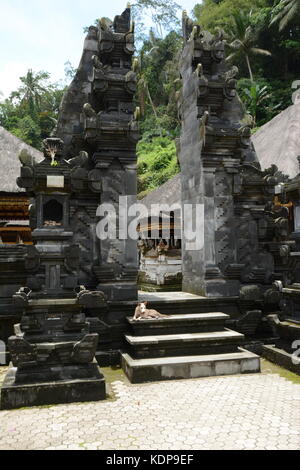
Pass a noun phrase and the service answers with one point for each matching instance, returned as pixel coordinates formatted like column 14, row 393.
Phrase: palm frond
column 231, row 56
column 257, row 50
column 289, row 10
column 289, row 13
column 236, row 44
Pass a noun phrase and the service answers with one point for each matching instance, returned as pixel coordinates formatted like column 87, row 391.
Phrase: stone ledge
column 51, row 393
column 189, row 367
column 280, row 358
column 177, row 318
column 185, row 338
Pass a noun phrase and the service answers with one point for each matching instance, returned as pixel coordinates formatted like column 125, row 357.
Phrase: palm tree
column 32, row 89
column 255, row 95
column 144, row 95
column 245, row 36
column 285, row 12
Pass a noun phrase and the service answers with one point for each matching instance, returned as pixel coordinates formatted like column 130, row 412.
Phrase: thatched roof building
column 278, row 141
column 14, row 202
column 169, row 193
column 10, row 148
column 168, row 197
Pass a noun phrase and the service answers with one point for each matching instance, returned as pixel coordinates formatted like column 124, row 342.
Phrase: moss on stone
column 271, row 368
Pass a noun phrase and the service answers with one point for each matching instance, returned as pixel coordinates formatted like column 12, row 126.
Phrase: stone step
column 186, row 323
column 189, row 367
column 183, row 344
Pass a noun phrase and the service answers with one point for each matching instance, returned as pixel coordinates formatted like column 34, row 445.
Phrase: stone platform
column 179, row 324
column 183, row 347
column 183, row 344
column 167, row 296
column 189, row 367
column 70, row 385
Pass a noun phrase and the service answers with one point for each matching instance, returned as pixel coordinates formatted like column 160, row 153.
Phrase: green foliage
column 255, row 96
column 245, row 35
column 29, row 131
column 31, row 111
column 264, row 99
column 253, row 31
column 163, row 14
column 286, row 12
column 211, row 14
column 292, row 45
column 159, row 66
column 158, row 85
column 157, row 162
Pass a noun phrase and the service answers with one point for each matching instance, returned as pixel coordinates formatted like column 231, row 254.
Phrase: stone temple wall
column 98, row 116
column 242, row 231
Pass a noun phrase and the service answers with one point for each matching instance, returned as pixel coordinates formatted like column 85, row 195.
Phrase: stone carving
column 53, row 350
column 244, row 241
column 98, row 117
column 25, row 354
column 248, row 323
column 250, row 292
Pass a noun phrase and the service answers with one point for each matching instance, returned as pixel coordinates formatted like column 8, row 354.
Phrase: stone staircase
column 184, row 347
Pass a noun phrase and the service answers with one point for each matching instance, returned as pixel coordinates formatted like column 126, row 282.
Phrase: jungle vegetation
column 263, row 41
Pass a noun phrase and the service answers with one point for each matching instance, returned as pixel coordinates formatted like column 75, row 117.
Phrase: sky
column 45, row 34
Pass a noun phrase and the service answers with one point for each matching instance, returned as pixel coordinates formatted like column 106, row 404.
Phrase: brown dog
column 143, row 313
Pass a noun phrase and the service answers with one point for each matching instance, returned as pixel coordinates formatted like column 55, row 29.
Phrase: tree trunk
column 154, row 110
column 249, row 68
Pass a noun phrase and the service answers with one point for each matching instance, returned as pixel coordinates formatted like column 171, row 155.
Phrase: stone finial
column 26, row 158
column 199, row 70
column 53, row 148
column 89, row 110
column 137, row 113
column 135, row 65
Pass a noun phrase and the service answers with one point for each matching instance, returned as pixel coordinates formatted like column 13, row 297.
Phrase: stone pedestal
column 53, row 350
column 52, row 386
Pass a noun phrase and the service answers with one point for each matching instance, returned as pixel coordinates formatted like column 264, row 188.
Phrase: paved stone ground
column 260, row 411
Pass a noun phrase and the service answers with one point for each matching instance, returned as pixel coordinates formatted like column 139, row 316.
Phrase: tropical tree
column 285, row 12
column 29, row 131
column 144, row 96
column 163, row 14
column 32, row 89
column 245, row 37
column 212, row 14
column 254, row 97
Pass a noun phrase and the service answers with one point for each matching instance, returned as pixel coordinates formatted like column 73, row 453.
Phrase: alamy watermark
column 123, row 221
column 296, row 354
column 2, row 353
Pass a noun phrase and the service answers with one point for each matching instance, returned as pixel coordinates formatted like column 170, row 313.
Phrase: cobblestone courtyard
column 260, row 411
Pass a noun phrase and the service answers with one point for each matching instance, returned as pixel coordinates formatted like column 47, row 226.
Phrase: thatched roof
column 169, row 193
column 278, row 141
column 10, row 147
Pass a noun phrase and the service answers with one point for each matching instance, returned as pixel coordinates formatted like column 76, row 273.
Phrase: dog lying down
column 144, row 313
